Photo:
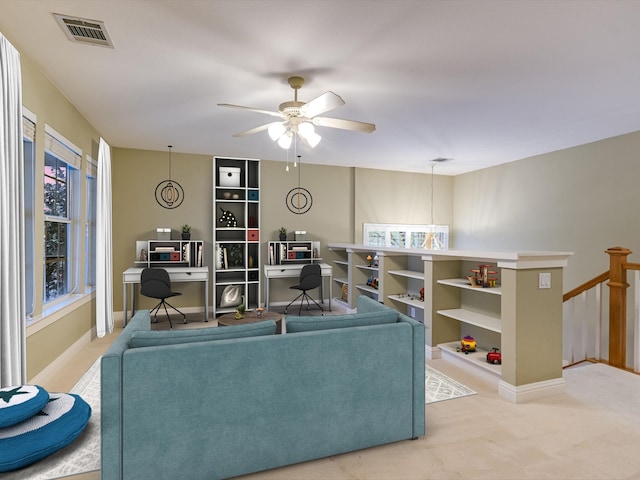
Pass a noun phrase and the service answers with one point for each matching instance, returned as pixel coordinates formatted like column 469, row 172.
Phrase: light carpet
column 438, row 387
column 83, row 455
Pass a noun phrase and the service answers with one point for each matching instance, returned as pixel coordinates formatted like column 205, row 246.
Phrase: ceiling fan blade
column 344, row 124
column 255, row 130
column 251, row 109
column 325, row 102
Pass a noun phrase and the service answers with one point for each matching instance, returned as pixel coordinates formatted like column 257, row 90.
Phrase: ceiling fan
column 299, row 118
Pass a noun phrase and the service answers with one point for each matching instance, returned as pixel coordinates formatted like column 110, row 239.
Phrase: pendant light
column 169, row 193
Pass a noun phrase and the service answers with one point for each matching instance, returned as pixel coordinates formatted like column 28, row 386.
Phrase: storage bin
column 300, row 235
column 253, row 195
column 163, row 233
column 229, row 176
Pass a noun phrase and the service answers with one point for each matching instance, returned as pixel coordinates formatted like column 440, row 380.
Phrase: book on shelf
column 225, row 259
column 164, row 249
column 218, row 258
column 199, row 261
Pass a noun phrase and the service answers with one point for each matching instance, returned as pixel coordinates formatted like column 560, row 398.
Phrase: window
column 430, row 237
column 61, row 182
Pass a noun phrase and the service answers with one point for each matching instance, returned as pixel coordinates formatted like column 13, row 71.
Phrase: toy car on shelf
column 494, row 356
column 467, row 344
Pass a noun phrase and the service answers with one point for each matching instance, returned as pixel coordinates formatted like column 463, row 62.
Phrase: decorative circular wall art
column 299, row 200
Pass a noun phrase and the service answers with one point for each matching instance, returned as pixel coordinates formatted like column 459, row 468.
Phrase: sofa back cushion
column 308, row 324
column 365, row 304
column 156, row 338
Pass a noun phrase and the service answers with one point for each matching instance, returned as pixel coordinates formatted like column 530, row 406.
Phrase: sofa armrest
column 111, row 396
column 419, row 420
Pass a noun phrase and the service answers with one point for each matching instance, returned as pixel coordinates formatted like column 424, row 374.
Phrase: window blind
column 92, row 167
column 62, row 148
column 28, row 129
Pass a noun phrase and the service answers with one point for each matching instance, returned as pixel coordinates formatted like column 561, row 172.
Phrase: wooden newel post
column 618, row 306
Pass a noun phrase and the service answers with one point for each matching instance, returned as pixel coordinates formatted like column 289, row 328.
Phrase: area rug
column 81, row 456
column 438, row 387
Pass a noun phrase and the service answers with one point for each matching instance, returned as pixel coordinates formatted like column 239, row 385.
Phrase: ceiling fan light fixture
column 276, row 130
column 308, row 134
column 306, row 128
column 285, row 140
column 313, row 139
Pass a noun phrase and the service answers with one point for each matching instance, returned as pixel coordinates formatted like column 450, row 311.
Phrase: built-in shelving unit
column 236, row 231
column 341, row 277
column 408, row 280
column 367, row 276
column 282, row 253
column 169, row 253
column 515, row 316
column 464, row 283
column 476, row 359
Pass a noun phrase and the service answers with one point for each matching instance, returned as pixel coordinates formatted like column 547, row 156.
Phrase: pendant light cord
column 432, row 195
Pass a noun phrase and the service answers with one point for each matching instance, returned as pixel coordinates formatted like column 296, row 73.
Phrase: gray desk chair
column 310, row 278
column 155, row 283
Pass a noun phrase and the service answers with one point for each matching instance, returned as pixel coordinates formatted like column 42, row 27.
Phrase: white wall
column 583, row 199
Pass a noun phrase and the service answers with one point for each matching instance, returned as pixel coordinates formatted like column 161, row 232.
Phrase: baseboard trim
column 432, row 353
column 530, row 391
column 119, row 316
column 66, row 356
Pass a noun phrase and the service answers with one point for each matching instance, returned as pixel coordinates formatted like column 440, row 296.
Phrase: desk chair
column 155, row 283
column 310, row 278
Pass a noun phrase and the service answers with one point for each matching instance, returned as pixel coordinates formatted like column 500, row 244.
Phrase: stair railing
column 585, row 315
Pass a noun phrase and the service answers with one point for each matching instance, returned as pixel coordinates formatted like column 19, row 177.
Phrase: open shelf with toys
column 493, row 297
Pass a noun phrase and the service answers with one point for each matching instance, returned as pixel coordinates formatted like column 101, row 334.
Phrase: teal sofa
column 226, row 401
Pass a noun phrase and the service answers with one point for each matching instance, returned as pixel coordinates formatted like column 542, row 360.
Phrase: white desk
column 131, row 276
column 293, row 271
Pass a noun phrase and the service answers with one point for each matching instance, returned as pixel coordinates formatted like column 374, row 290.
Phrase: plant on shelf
column 283, row 234
column 186, row 232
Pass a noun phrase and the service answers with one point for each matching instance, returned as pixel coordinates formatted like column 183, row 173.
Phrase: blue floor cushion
column 21, row 402
column 59, row 423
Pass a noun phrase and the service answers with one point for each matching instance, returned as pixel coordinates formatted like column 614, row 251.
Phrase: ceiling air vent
column 82, row 30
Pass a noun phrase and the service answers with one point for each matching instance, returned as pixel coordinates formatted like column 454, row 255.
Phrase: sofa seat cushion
column 59, row 423
column 307, row 324
column 157, row 338
column 21, row 402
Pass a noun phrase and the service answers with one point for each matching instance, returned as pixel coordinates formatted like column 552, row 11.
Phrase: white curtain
column 13, row 369
column 104, row 253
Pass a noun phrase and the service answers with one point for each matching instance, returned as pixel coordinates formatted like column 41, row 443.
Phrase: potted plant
column 283, row 234
column 186, row 232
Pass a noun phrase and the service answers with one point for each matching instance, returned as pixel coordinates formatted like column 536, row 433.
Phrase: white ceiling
column 482, row 82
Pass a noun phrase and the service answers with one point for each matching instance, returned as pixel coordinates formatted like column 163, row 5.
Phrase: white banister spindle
column 600, row 325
